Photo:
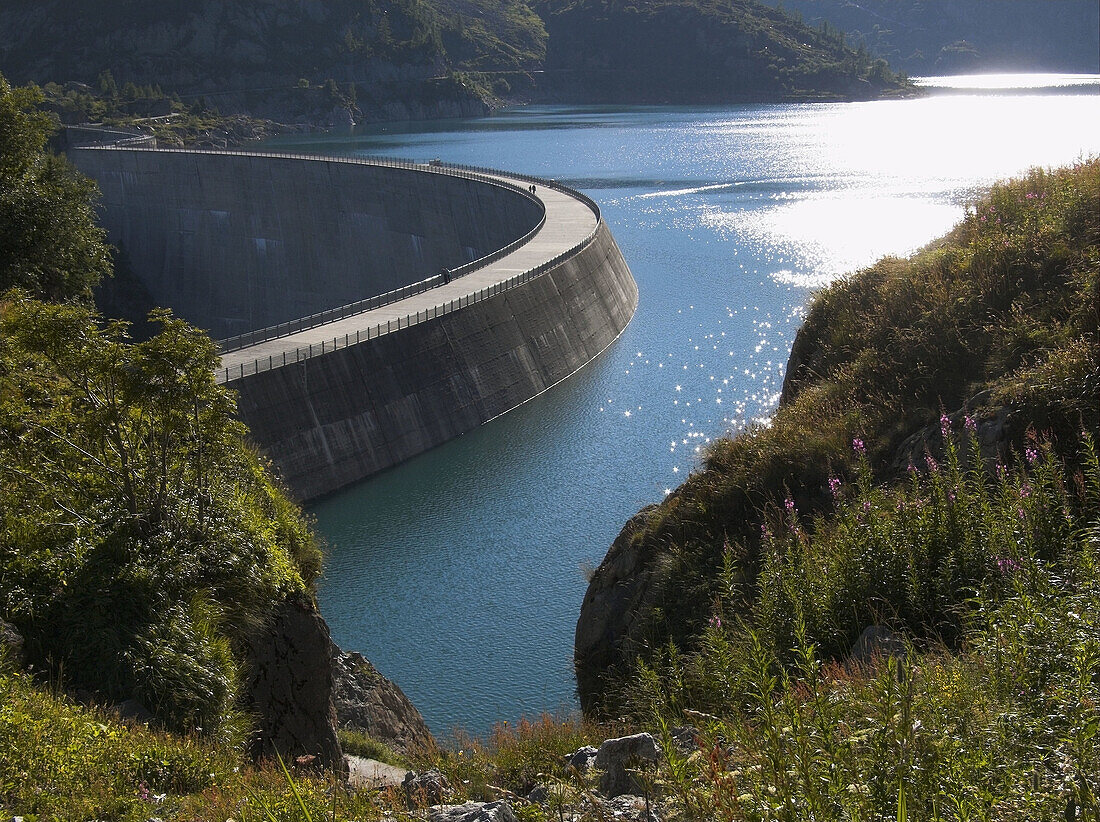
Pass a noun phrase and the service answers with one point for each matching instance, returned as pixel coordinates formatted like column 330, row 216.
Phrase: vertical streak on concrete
column 320, row 429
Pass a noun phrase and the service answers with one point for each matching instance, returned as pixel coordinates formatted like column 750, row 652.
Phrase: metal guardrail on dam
column 478, row 173
column 245, row 369
column 274, row 332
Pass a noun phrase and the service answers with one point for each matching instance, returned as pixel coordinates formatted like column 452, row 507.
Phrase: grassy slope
column 1000, row 317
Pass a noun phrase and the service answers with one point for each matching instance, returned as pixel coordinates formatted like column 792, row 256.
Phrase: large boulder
column 289, row 687
column 366, row 701
column 617, row 757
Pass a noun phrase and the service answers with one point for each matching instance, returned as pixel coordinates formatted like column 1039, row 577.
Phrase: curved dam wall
column 235, row 242
column 334, row 419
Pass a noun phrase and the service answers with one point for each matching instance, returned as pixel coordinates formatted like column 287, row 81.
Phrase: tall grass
column 993, row 711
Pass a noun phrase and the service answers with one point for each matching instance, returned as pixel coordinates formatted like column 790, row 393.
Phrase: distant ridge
column 308, row 61
column 961, row 36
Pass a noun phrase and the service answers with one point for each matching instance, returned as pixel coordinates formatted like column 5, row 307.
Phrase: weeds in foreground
column 1000, row 722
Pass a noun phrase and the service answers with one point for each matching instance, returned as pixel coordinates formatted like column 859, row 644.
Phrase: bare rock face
column 367, row 701
column 290, row 687
column 610, row 606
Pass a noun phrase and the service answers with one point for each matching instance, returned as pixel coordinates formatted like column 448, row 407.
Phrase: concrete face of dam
column 236, row 242
column 332, row 419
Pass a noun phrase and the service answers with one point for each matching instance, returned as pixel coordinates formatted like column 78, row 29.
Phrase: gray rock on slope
column 11, row 645
column 289, row 686
column 499, row 811
column 617, row 756
column 366, row 701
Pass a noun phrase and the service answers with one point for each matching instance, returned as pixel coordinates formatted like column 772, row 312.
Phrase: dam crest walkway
column 571, row 221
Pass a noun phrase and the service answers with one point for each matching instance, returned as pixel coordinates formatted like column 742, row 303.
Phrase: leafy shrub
column 140, row 537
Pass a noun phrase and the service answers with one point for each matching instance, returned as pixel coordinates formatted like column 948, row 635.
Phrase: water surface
column 460, row 573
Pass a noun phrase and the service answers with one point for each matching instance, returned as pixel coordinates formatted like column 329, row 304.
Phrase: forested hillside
column 960, row 36
column 342, row 60
column 694, row 52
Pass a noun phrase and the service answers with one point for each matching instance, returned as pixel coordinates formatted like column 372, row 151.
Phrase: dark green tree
column 141, row 539
column 50, row 244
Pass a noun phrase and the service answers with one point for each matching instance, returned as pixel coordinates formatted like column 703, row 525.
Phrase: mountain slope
column 389, row 59
column 696, row 51
column 949, row 36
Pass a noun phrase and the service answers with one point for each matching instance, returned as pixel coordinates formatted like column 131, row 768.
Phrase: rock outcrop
column 366, row 701
column 612, row 602
column 289, row 687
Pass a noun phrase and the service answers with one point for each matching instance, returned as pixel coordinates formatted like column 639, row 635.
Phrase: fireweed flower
column 971, row 424
column 1031, row 455
column 930, row 461
column 1006, row 565
column 716, row 621
column 945, row 426
column 788, row 503
column 834, row 486
column 858, row 446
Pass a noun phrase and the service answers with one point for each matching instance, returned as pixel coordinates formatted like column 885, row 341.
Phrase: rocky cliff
column 366, row 701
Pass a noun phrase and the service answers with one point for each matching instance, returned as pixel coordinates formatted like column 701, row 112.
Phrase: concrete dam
column 368, row 310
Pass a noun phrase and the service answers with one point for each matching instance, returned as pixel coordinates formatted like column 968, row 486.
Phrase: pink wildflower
column 858, row 446
column 971, row 424
column 945, row 426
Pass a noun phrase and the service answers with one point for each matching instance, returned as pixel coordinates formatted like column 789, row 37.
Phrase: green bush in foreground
column 141, row 539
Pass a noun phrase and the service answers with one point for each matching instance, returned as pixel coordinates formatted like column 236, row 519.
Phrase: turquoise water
column 460, row 574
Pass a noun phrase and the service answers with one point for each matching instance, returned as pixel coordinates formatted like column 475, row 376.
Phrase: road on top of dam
column 568, row 222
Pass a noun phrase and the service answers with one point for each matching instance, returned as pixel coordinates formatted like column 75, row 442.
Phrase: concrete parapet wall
column 332, row 420
column 237, row 242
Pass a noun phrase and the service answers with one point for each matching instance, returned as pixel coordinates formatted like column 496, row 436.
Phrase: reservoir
column 460, row 573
